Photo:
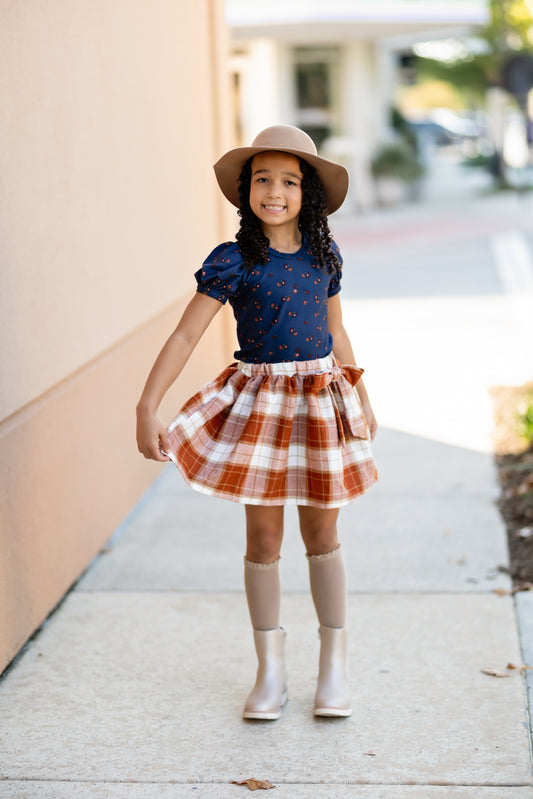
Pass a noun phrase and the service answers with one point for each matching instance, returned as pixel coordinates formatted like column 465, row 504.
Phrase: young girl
column 284, row 424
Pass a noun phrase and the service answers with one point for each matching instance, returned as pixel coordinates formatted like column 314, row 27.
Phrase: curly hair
column 312, row 221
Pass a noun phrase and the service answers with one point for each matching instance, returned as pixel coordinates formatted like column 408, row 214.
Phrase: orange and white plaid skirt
column 276, row 434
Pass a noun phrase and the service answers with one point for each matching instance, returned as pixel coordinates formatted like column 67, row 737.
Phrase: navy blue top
column 281, row 308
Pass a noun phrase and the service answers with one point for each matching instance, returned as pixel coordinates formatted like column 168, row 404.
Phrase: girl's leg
column 327, row 577
column 318, row 527
column 326, row 565
column 264, row 534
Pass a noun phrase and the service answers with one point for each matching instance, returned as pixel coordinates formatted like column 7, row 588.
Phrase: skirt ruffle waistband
column 317, row 373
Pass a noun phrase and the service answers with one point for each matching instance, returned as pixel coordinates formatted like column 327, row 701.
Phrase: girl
column 284, row 424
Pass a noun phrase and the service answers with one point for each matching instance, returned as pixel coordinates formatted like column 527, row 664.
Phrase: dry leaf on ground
column 496, row 673
column 255, row 785
column 370, row 752
column 503, row 591
column 509, row 669
column 512, row 591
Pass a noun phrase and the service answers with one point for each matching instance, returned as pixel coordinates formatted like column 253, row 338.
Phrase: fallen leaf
column 512, row 591
column 525, row 668
column 370, row 752
column 255, row 785
column 496, row 673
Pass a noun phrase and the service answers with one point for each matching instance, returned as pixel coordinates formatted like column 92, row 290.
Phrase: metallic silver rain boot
column 269, row 693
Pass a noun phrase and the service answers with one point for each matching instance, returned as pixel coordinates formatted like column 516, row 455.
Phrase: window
column 315, row 78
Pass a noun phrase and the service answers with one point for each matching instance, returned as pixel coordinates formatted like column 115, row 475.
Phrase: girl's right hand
column 152, row 438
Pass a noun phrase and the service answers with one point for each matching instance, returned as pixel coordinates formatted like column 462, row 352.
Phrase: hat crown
column 285, row 137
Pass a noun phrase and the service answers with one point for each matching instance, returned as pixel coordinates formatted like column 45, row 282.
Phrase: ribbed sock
column 327, row 577
column 263, row 592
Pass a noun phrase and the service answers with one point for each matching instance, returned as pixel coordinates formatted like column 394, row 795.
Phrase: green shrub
column 480, row 161
column 397, row 160
column 525, row 420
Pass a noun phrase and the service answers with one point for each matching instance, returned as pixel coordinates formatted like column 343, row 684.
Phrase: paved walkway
column 134, row 688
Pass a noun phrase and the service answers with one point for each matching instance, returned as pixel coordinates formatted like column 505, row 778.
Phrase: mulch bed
column 514, row 462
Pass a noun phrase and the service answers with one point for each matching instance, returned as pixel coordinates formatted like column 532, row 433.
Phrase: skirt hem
column 201, row 488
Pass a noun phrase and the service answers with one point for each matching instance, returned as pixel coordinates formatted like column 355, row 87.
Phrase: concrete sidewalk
column 135, row 686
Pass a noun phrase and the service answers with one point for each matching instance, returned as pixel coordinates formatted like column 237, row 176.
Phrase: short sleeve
column 222, row 272
column 335, row 280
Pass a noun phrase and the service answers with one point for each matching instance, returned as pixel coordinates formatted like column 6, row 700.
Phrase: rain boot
column 327, row 577
column 263, row 591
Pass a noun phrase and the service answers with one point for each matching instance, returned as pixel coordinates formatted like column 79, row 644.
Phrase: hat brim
column 334, row 176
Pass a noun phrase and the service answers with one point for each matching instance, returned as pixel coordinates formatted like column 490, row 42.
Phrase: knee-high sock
column 327, row 577
column 263, row 592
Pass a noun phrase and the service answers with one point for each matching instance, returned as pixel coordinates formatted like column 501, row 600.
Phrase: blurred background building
column 355, row 74
column 333, row 69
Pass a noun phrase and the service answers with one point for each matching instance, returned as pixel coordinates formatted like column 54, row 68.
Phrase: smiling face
column 276, row 191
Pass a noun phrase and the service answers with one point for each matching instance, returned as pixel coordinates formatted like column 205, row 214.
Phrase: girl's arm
column 152, row 438
column 342, row 349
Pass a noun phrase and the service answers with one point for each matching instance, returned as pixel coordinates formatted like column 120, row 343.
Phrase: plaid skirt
column 276, row 434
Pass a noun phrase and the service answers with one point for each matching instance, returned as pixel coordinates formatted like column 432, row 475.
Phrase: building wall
column 360, row 97
column 365, row 102
column 112, row 114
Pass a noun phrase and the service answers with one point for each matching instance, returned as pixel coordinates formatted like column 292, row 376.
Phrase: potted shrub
column 396, row 171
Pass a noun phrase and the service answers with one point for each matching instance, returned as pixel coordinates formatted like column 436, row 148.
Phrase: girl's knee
column 318, row 528
column 262, row 550
column 264, row 533
column 263, row 546
column 320, row 543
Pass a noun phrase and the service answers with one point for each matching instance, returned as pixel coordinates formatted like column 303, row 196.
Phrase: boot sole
column 332, row 712
column 265, row 716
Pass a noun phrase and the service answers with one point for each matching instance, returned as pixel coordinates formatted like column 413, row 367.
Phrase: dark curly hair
column 312, row 221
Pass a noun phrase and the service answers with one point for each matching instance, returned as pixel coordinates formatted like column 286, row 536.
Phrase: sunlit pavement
column 135, row 687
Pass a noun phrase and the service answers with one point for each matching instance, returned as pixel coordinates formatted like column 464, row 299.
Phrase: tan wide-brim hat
column 283, row 139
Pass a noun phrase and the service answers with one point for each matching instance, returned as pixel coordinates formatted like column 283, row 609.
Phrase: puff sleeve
column 335, row 280
column 222, row 273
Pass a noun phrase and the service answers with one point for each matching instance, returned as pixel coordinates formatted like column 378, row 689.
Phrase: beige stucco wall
column 112, row 113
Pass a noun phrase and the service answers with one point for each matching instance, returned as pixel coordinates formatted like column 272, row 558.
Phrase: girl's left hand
column 370, row 419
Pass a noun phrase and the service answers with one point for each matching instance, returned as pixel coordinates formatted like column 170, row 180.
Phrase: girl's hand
column 370, row 419
column 152, row 439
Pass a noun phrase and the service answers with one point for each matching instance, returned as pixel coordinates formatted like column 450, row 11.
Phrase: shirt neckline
column 279, row 254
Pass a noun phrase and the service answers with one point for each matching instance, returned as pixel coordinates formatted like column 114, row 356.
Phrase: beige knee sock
column 327, row 577
column 263, row 592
